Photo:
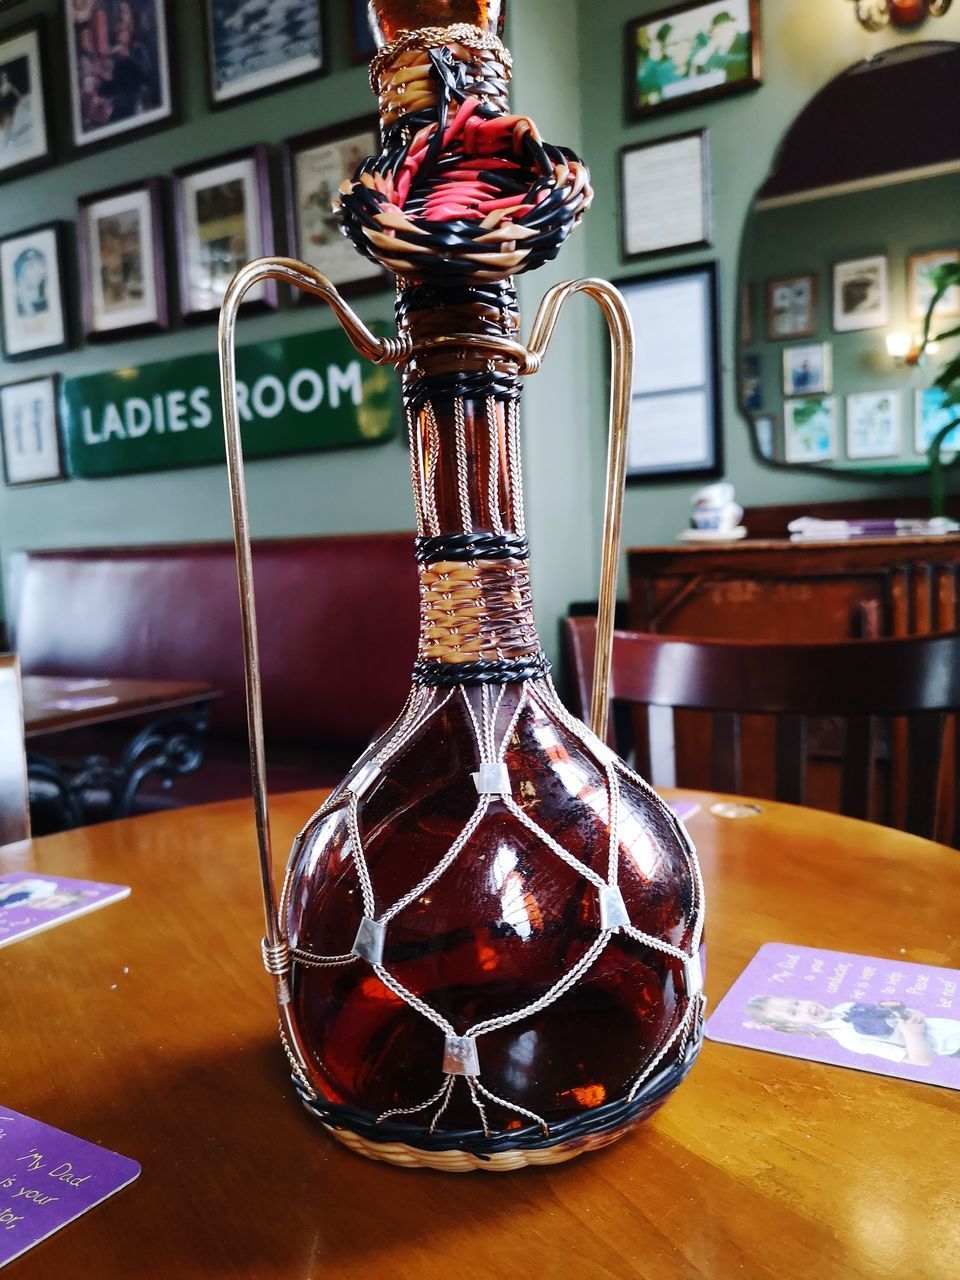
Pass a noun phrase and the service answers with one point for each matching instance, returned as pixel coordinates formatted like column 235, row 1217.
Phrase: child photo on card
column 886, row 1016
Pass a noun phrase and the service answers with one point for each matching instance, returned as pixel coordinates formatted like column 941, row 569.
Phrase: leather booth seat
column 337, row 619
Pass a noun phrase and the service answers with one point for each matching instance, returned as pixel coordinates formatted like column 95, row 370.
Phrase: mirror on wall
column 861, row 204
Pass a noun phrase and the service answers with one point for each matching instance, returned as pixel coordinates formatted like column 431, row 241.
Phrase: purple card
column 884, row 1016
column 30, row 903
column 48, row 1178
column 685, row 809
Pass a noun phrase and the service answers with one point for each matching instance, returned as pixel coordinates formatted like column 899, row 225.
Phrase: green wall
column 569, row 56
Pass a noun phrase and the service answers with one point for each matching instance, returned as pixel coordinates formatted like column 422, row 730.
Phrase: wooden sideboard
column 798, row 591
column 781, row 590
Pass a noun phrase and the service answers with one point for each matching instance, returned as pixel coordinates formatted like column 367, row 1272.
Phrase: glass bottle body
column 494, row 934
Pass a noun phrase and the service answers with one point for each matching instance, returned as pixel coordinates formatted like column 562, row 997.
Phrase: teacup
column 714, row 508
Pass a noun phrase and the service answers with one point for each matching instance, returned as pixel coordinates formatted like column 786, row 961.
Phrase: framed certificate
column 665, row 195
column 676, row 415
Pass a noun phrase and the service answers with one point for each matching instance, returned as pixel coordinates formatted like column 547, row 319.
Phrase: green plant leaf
column 943, row 278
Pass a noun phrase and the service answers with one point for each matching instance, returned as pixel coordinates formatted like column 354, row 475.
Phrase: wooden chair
column 14, row 793
column 864, row 682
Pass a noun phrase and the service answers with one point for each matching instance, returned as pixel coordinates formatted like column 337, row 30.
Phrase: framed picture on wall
column 24, row 131
column 315, row 164
column 810, row 429
column 690, row 53
column 676, row 417
column 123, row 280
column 362, row 44
column 224, row 220
column 861, row 298
column 765, row 435
column 751, row 381
column 32, row 293
column 745, row 314
column 253, row 46
column 118, row 67
column 791, row 307
column 808, row 370
column 873, row 424
column 920, row 286
column 931, row 414
column 665, row 195
column 30, row 427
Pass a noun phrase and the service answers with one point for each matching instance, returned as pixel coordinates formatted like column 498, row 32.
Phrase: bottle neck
column 390, row 18
column 462, row 406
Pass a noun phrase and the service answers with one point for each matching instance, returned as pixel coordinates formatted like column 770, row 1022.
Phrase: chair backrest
column 14, row 794
column 864, row 682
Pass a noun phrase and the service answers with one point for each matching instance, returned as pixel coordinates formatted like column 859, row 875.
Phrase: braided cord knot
column 424, row 38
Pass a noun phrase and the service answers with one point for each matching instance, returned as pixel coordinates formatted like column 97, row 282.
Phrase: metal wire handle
column 617, row 315
column 380, row 351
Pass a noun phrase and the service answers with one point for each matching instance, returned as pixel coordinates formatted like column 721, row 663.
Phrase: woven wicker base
column 463, row 1151
column 453, row 1161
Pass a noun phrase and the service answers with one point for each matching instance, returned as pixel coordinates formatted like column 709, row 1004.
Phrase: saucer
column 713, row 535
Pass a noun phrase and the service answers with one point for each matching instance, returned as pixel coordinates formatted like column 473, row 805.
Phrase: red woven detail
column 488, row 145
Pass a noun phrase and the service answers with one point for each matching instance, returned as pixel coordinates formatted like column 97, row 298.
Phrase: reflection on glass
column 858, row 209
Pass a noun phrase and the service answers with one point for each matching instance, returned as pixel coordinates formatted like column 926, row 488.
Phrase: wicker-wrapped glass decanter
column 487, row 945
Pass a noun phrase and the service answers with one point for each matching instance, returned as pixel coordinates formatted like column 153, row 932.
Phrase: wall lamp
column 906, row 349
column 877, row 14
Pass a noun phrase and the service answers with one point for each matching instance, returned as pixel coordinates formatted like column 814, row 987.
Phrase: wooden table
column 169, row 743
column 149, row 1027
column 52, row 704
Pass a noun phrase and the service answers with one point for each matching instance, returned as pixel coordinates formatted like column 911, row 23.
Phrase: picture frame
column 120, row 79
column 665, row 196
column 362, row 44
column 751, row 381
column 31, row 432
column 930, row 415
column 874, row 424
column 765, row 435
column 224, row 219
column 33, row 297
column 257, row 48
column 314, row 165
column 691, row 53
column 676, row 418
column 810, row 430
column 25, row 138
column 123, row 274
column 808, row 369
column 861, row 294
column 791, row 307
column 745, row 314
column 920, row 288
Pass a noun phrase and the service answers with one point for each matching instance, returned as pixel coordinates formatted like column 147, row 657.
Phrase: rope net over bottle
column 406, row 1019
column 493, row 715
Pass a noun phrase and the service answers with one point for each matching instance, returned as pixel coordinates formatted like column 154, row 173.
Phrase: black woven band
column 447, row 675
column 475, row 384
column 589, row 1123
column 494, row 302
column 472, row 546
